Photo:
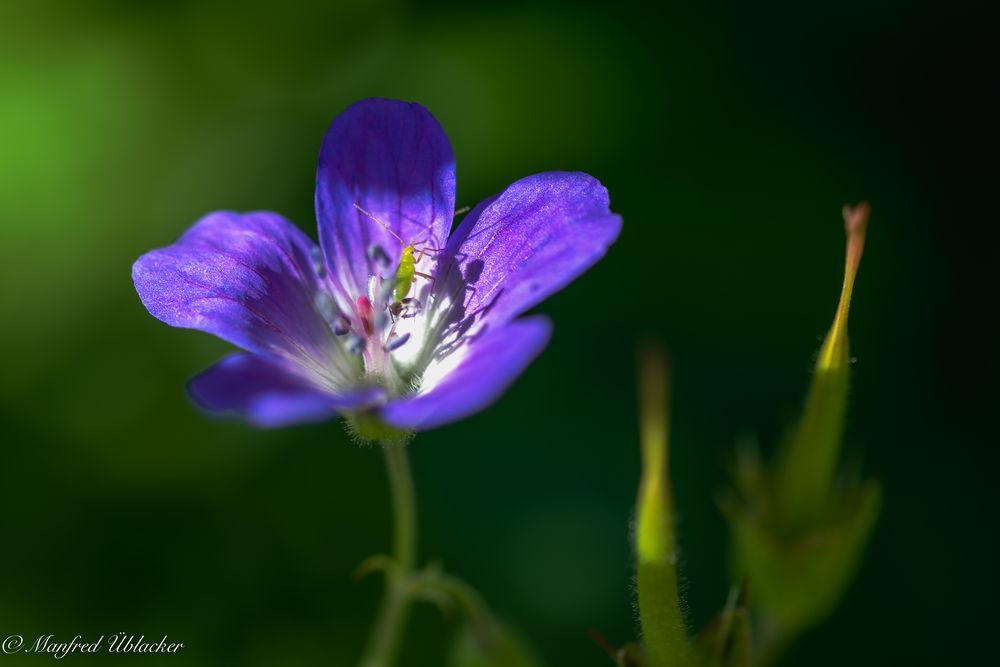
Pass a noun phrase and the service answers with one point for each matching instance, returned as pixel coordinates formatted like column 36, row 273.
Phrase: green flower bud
column 798, row 578
column 663, row 628
column 798, row 535
column 807, row 464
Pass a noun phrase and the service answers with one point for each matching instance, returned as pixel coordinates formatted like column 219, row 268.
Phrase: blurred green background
column 729, row 135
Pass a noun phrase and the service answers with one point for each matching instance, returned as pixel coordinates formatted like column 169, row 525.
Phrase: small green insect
column 403, row 305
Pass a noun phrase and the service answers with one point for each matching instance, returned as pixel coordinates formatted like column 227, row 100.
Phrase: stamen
column 318, row 262
column 381, row 319
column 396, row 342
column 326, row 308
column 341, row 326
column 386, row 290
column 378, row 255
column 355, row 344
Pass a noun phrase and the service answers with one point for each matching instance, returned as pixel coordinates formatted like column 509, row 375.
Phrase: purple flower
column 332, row 331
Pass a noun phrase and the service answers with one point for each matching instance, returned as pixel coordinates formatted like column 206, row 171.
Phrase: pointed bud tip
column 654, row 400
column 856, row 217
column 654, row 537
column 834, row 351
column 655, row 370
column 856, row 225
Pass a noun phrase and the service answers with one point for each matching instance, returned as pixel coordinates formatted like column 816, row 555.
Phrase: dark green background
column 729, row 136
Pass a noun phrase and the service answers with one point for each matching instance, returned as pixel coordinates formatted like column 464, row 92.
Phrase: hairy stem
column 390, row 622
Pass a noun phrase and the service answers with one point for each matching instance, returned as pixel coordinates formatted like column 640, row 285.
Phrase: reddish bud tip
column 856, row 217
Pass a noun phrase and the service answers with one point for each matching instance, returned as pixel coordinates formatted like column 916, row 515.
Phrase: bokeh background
column 729, row 136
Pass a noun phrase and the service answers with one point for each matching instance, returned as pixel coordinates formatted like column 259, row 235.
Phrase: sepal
column 725, row 642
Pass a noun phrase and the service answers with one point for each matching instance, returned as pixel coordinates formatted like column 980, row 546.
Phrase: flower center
column 392, row 332
column 380, row 329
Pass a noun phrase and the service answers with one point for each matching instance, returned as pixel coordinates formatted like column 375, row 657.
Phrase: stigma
column 367, row 315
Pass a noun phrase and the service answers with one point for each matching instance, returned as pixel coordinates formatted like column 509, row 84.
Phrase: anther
column 396, row 342
column 378, row 255
column 318, row 264
column 326, row 307
column 355, row 344
column 341, row 326
column 386, row 290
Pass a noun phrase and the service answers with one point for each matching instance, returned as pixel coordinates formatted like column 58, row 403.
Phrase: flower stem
column 383, row 643
column 404, row 506
column 472, row 605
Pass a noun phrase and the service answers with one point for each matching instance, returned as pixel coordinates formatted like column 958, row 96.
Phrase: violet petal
column 270, row 392
column 393, row 159
column 515, row 249
column 249, row 279
column 473, row 378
